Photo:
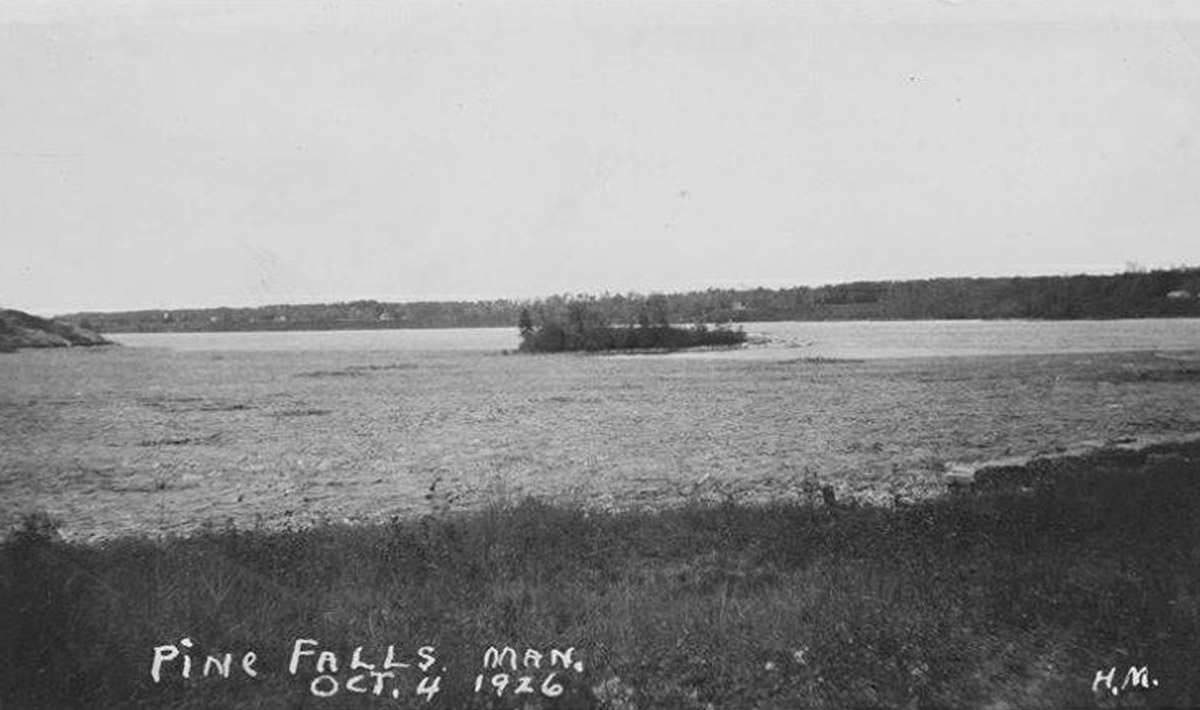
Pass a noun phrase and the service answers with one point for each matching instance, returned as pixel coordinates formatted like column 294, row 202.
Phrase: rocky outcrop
column 21, row 330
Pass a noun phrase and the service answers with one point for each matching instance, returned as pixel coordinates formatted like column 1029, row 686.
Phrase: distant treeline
column 1134, row 294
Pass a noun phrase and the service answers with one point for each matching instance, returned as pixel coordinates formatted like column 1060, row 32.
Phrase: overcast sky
column 193, row 154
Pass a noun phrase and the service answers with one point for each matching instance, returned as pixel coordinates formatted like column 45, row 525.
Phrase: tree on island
column 657, row 310
column 525, row 324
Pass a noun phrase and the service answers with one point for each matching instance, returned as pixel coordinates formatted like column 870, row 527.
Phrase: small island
column 22, row 330
column 580, row 327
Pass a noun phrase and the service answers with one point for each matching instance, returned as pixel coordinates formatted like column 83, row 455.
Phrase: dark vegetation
column 582, row 326
column 1134, row 294
column 22, row 330
column 1010, row 598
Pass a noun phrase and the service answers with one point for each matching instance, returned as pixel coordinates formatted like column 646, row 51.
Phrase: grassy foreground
column 1006, row 599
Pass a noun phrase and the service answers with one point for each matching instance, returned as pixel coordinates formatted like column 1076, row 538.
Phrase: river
column 782, row 340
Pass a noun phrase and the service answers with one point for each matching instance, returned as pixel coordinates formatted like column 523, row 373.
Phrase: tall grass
column 1008, row 599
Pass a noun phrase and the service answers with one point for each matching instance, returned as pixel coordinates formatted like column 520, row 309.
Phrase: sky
column 172, row 154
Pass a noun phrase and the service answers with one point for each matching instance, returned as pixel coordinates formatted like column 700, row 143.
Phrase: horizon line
column 770, row 284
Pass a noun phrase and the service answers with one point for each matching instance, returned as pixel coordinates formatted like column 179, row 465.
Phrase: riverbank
column 1013, row 598
column 22, row 330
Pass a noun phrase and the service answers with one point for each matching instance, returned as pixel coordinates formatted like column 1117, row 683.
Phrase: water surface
column 774, row 340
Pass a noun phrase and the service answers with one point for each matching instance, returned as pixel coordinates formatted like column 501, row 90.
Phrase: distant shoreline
column 361, row 328
column 1173, row 293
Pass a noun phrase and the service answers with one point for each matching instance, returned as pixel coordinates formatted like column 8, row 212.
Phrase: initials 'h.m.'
column 1138, row 678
